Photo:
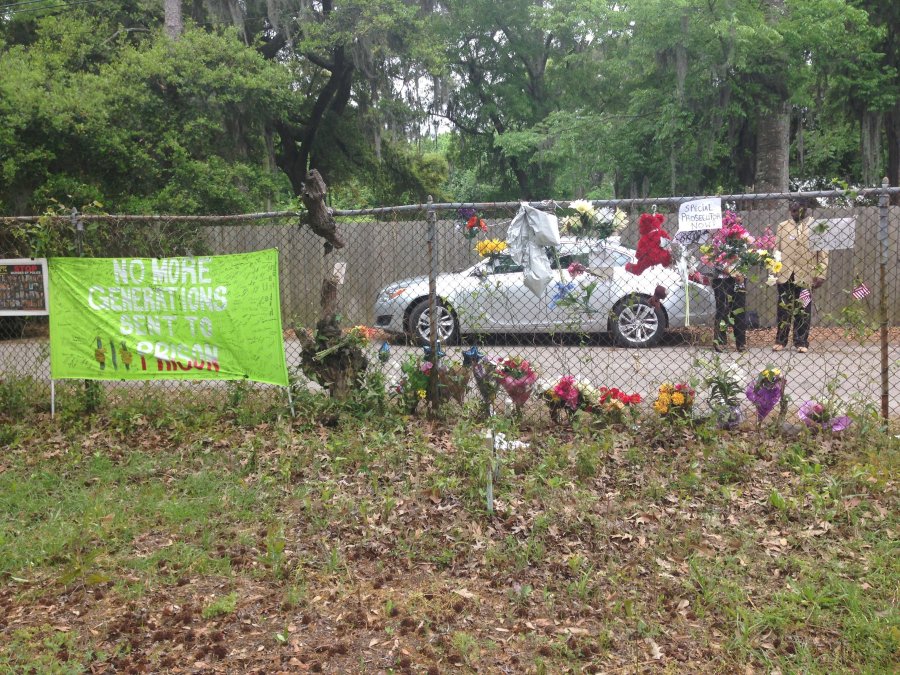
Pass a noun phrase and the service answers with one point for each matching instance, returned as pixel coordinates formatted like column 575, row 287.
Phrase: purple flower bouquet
column 816, row 415
column 765, row 392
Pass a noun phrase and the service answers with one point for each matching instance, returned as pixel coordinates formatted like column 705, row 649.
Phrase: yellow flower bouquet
column 488, row 247
column 674, row 400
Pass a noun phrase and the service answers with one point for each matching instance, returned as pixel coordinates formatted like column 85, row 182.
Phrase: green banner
column 194, row 318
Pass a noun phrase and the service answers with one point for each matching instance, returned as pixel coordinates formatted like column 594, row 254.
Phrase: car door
column 508, row 303
column 596, row 291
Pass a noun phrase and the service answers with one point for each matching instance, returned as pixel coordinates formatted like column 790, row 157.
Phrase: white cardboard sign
column 832, row 234
column 700, row 214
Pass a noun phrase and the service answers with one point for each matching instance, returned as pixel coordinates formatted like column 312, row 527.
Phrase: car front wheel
column 419, row 324
column 637, row 323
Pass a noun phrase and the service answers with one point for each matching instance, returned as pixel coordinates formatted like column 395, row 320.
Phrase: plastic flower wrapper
column 817, row 415
column 765, row 391
column 384, row 352
column 487, row 379
column 517, row 378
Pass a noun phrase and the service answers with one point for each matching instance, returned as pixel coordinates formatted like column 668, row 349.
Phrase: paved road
column 856, row 368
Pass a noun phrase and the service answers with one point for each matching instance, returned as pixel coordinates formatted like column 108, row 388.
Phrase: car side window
column 504, row 264
column 568, row 258
column 609, row 258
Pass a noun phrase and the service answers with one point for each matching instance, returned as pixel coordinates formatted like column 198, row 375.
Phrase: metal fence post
column 883, row 202
column 79, row 232
column 434, row 343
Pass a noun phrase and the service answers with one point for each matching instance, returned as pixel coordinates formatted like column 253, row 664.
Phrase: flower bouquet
column 517, row 378
column 766, row 391
column 413, row 385
column 724, row 382
column 569, row 395
column 453, row 380
column 733, row 249
column 675, row 400
column 823, row 416
column 474, row 223
column 587, row 221
column 488, row 247
column 613, row 403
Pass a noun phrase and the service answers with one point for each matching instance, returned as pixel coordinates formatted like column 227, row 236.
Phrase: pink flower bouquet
column 517, row 378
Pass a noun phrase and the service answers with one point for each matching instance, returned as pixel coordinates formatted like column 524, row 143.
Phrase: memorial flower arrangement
column 473, row 222
column 733, row 249
column 570, row 395
column 823, row 416
column 487, row 377
column 724, row 382
column 517, row 378
column 613, row 404
column 766, row 391
column 413, row 385
column 586, row 221
column 489, row 247
column 675, row 400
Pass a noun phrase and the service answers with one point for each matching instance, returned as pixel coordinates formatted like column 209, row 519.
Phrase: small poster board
column 832, row 234
column 700, row 214
column 23, row 287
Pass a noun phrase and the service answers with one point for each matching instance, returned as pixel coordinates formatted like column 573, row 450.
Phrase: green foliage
column 567, row 99
column 221, row 606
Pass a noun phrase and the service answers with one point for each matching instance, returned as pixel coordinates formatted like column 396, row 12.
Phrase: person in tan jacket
column 802, row 268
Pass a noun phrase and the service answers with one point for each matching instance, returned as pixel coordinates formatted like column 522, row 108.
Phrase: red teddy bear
column 650, row 247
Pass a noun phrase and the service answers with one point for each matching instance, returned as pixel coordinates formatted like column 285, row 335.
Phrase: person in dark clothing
column 730, row 294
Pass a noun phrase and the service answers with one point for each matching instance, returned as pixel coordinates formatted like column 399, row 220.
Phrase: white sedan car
column 491, row 297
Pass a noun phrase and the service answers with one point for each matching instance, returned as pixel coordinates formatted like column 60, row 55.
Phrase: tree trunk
column 319, row 216
column 773, row 130
column 174, row 25
column 870, row 147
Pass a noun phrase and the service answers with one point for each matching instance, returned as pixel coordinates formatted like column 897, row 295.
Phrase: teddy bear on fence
column 653, row 245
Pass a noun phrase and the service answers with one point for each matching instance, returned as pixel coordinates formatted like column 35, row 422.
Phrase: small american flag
column 805, row 297
column 860, row 292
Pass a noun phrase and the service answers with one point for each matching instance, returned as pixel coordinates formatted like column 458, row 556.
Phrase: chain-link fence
column 559, row 326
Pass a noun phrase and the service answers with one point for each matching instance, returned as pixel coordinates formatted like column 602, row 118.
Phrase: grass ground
column 187, row 536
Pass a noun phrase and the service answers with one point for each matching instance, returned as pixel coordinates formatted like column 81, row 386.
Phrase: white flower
column 772, row 280
column 620, row 220
column 583, row 206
